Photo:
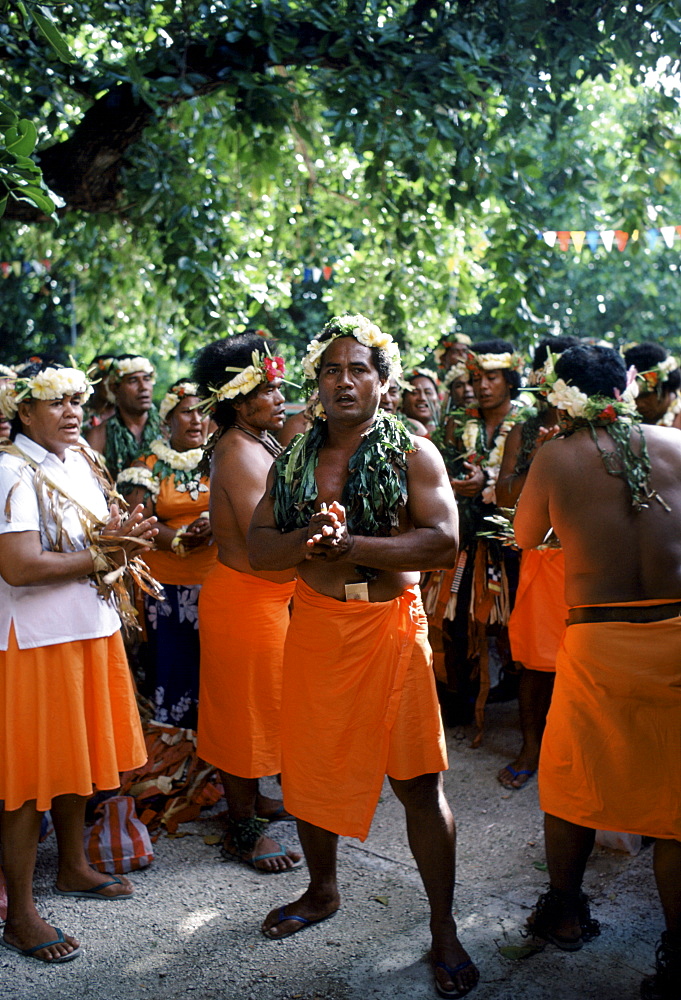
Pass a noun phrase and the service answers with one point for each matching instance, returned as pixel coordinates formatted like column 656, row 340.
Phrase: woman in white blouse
column 65, row 689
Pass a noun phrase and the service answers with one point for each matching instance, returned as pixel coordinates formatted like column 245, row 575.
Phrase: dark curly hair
column 596, row 370
column 646, row 356
column 208, row 370
column 554, row 344
column 495, row 345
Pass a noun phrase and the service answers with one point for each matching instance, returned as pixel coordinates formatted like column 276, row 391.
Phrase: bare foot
column 286, row 920
column 455, row 974
column 267, row 856
column 34, row 931
column 86, row 879
column 517, row 774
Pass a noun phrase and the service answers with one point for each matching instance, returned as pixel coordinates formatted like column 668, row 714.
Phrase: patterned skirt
column 173, row 637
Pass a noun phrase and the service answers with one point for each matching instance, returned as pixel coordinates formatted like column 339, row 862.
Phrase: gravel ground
column 192, row 929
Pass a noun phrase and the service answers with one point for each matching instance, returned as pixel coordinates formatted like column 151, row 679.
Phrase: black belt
column 630, row 613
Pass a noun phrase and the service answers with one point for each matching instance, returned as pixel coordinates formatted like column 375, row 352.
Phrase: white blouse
column 45, row 614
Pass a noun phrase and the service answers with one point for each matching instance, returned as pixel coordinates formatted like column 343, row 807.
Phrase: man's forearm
column 419, row 550
column 270, row 549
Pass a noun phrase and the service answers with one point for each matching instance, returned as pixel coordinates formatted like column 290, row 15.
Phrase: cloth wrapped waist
column 638, row 612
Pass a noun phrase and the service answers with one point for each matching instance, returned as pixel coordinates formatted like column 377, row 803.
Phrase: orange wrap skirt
column 68, row 720
column 242, row 628
column 611, row 753
column 537, row 621
column 359, row 703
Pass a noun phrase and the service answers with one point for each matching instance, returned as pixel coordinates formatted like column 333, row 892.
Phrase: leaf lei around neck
column 375, row 489
column 634, row 469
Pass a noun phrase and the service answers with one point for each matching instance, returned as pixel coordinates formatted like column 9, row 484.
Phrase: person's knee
column 422, row 793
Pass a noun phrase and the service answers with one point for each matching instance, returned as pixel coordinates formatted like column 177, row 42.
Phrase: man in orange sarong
column 537, row 622
column 611, row 490
column 360, row 506
column 243, row 612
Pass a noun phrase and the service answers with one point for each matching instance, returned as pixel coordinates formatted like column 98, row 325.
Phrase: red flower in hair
column 274, row 368
column 609, row 414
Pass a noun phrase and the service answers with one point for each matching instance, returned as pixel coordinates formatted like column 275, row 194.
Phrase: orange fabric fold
column 359, row 702
column 68, row 720
column 242, row 627
column 611, row 753
column 537, row 621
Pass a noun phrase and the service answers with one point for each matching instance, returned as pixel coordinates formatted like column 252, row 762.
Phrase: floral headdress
column 364, row 331
column 174, row 397
column 618, row 415
column 263, row 368
column 444, row 345
column 459, row 370
column 7, row 372
column 510, row 360
column 652, row 379
column 120, row 367
column 52, row 383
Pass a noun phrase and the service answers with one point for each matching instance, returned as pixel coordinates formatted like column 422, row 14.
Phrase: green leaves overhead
column 209, row 153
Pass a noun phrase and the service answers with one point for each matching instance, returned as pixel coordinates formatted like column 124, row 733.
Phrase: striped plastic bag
column 118, row 842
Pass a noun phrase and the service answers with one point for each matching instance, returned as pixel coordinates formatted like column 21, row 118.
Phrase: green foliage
column 417, row 148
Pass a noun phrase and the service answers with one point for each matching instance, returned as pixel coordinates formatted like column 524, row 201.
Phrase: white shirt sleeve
column 18, row 501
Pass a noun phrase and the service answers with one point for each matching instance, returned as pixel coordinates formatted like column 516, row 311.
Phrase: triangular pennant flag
column 668, row 233
column 5, row 268
column 563, row 238
column 652, row 236
column 608, row 237
column 621, row 238
column 307, row 274
column 549, row 239
column 577, row 236
column 327, row 271
column 16, row 267
column 316, row 274
column 47, row 263
column 678, row 229
column 451, row 264
column 592, row 239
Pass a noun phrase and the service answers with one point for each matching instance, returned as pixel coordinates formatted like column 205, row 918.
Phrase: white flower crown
column 175, row 396
column 52, row 383
column 365, row 332
column 128, row 366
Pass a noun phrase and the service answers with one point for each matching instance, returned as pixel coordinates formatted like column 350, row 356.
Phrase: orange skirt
column 359, row 703
column 69, row 720
column 537, row 621
column 611, row 753
column 242, row 628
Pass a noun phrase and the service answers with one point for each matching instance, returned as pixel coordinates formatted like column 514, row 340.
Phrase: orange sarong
column 242, row 627
column 611, row 753
column 537, row 621
column 359, row 703
column 69, row 720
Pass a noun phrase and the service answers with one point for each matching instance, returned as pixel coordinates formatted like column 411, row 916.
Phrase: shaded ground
column 192, row 929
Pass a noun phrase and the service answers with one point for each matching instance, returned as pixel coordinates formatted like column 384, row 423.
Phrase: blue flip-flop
column 227, row 855
column 516, row 774
column 95, row 892
column 282, row 915
column 452, row 972
column 31, row 952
